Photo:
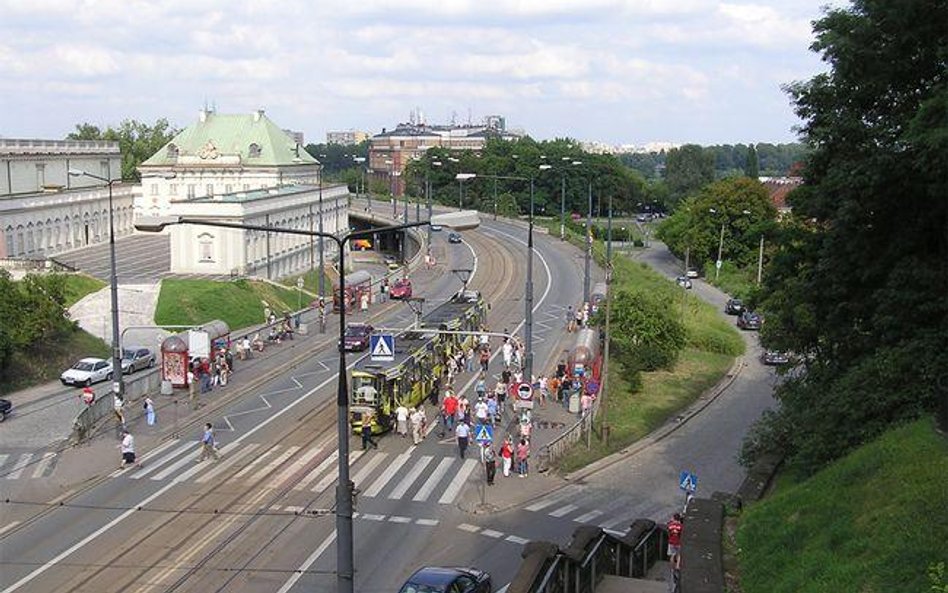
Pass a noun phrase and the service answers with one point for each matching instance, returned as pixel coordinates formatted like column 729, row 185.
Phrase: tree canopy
column 37, row 305
column 137, row 141
column 858, row 284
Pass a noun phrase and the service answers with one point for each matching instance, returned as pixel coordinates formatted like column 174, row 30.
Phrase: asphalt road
column 249, row 521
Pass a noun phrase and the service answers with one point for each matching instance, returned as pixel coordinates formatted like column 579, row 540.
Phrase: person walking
column 118, row 406
column 506, row 456
column 523, row 454
column 367, row 433
column 192, row 390
column 481, row 412
column 417, row 425
column 492, row 409
column 490, row 463
column 450, row 408
column 469, row 359
column 507, row 350
column 208, row 444
column 485, row 358
column 150, row 416
column 401, row 420
column 675, row 528
column 570, row 319
column 462, row 432
column 127, row 447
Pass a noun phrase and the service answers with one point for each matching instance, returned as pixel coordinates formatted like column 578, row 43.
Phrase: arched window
column 206, row 247
column 253, row 151
column 172, row 151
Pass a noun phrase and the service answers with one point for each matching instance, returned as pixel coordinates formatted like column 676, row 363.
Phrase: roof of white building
column 218, row 139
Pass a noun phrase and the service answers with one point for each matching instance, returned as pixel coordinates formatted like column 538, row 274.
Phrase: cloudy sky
column 616, row 71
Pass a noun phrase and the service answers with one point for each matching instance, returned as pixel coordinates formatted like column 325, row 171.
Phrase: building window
column 228, row 188
column 154, row 189
column 246, row 187
column 173, row 189
column 105, row 169
column 206, row 247
column 190, row 191
column 254, row 151
column 40, row 176
column 172, row 151
column 210, row 190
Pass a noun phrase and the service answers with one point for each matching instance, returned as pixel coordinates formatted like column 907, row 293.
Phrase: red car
column 401, row 289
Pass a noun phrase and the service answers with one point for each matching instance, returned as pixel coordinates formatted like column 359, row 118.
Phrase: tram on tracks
column 377, row 388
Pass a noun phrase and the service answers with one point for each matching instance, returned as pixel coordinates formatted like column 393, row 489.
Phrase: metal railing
column 591, row 554
column 558, row 447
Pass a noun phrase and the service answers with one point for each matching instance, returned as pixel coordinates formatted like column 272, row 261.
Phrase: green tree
column 751, row 165
column 687, row 169
column 857, row 286
column 137, row 141
column 646, row 334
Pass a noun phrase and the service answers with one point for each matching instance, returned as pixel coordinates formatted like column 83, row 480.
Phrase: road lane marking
column 492, row 533
column 372, row 517
column 274, row 464
column 253, row 464
column 228, row 461
column 428, row 522
column 425, row 491
column 587, row 517
column 387, row 475
column 8, row 527
column 319, row 469
column 399, row 519
column 553, row 498
column 410, row 477
column 45, row 464
column 20, row 466
column 297, row 465
column 563, row 510
column 330, row 478
column 451, row 492
column 516, row 540
column 147, row 469
column 307, row 563
column 363, row 473
column 469, row 528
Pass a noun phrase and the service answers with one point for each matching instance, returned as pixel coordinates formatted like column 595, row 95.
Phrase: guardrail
column 561, row 444
column 591, row 555
column 136, row 387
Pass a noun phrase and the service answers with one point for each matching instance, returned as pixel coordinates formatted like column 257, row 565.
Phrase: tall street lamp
column 428, row 196
column 118, row 385
column 588, row 240
column 720, row 262
column 528, row 301
column 322, row 262
column 461, row 177
column 563, row 199
column 344, row 489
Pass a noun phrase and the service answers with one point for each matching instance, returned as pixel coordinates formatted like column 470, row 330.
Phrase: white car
column 87, row 371
column 683, row 281
column 692, row 273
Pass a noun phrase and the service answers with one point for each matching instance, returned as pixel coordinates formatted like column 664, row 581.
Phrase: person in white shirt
column 128, row 450
column 401, row 420
column 507, row 350
column 417, row 425
column 480, row 411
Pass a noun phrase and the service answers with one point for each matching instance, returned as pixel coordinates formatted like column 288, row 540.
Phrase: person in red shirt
column 449, row 409
column 674, row 541
column 506, row 456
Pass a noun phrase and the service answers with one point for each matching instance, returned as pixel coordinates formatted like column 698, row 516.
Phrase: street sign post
column 484, row 434
column 382, row 347
column 688, row 481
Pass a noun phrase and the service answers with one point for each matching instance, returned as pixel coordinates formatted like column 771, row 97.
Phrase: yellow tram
column 377, row 388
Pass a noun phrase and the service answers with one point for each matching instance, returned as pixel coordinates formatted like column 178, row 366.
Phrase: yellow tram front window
column 364, row 390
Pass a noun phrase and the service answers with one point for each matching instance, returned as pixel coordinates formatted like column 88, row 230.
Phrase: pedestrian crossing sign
column 382, row 347
column 688, row 481
column 484, row 434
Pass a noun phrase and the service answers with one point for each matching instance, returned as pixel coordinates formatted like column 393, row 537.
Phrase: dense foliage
column 137, row 141
column 858, row 284
column 34, row 312
column 728, row 159
column 738, row 205
column 567, row 176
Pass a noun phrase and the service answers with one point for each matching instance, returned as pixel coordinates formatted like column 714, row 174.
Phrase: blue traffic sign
column 382, row 347
column 688, row 481
column 484, row 433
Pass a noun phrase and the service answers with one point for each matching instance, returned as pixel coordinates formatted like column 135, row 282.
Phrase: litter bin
column 574, row 403
column 166, row 387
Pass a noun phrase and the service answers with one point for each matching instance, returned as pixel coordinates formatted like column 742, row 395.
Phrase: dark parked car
column 774, row 358
column 683, row 281
column 401, row 289
column 454, row 238
column 136, row 359
column 748, row 320
column 357, row 336
column 6, row 406
column 435, row 579
column 734, row 307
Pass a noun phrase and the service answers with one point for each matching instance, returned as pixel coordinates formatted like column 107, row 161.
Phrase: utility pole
column 760, row 260
column 588, row 244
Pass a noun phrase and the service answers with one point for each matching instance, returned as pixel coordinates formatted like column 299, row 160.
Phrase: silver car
column 136, row 359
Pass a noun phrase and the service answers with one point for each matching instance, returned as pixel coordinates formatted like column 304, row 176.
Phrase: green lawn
column 80, row 285
column 238, row 303
column 48, row 360
column 874, row 521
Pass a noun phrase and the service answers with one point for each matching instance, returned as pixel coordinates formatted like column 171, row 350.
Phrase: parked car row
column 93, row 370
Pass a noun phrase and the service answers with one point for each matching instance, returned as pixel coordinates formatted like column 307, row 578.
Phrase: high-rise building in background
column 346, row 137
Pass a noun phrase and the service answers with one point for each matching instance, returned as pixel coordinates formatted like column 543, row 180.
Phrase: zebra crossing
column 376, row 474
column 27, row 466
column 608, row 509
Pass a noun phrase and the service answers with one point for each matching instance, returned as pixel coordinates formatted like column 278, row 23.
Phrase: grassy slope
column 79, row 285
column 238, row 303
column 872, row 522
column 712, row 345
column 51, row 358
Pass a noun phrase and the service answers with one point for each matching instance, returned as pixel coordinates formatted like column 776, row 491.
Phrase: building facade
column 197, row 249
column 391, row 151
column 346, row 137
column 223, row 154
column 44, row 211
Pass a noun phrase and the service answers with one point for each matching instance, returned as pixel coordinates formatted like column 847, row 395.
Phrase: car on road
column 454, row 238
column 734, row 306
column 356, row 338
column 87, row 371
column 391, row 262
column 774, row 358
column 435, row 227
column 692, row 273
column 136, row 359
column 401, row 289
column 641, row 218
column 6, row 407
column 683, row 281
column 437, row 579
column 749, row 320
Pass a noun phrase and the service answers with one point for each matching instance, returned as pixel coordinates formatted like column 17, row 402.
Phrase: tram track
column 215, row 523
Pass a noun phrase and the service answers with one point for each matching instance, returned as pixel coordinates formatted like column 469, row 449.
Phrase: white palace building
column 239, row 168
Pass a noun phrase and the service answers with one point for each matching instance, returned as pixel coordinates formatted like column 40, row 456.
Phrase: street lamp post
column 588, row 239
column 461, row 177
column 118, row 385
column 719, row 262
column 345, row 567
column 322, row 262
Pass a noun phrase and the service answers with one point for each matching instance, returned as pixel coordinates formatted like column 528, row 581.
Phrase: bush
column 646, row 335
